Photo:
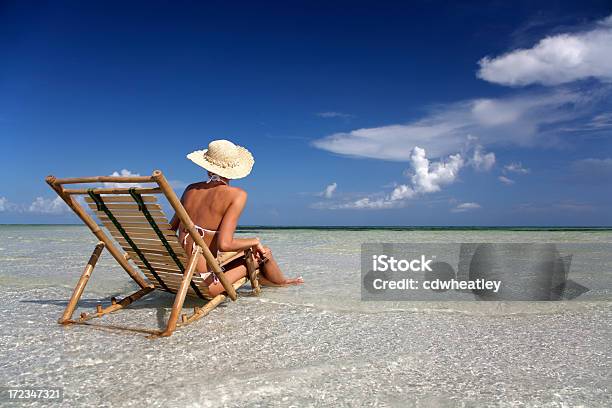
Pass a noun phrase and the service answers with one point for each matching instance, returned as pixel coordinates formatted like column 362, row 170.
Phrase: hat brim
column 244, row 167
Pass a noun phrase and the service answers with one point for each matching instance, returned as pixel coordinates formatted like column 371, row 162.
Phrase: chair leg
column 115, row 305
column 179, row 299
column 252, row 271
column 80, row 287
column 200, row 312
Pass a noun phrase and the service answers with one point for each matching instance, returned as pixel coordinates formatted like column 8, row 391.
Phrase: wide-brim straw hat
column 225, row 159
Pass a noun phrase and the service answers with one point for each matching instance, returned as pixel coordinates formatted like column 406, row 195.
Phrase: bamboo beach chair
column 139, row 234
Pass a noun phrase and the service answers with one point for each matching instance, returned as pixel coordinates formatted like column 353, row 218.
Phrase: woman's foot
column 291, row 281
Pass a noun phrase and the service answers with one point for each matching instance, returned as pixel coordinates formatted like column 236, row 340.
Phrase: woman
column 215, row 207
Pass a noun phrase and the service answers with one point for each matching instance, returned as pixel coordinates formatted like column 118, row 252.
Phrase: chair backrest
column 137, row 224
column 143, row 231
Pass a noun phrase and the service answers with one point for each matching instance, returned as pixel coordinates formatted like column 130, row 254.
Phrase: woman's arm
column 225, row 235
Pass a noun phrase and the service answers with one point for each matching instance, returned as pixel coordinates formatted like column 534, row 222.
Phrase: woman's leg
column 271, row 275
column 232, row 275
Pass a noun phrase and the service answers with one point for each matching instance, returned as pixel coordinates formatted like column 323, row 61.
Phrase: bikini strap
column 198, row 228
column 193, row 249
column 216, row 177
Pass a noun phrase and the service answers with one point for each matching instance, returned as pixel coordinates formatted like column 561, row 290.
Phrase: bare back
column 207, row 205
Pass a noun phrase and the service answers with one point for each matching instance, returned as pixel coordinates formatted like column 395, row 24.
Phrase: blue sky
column 357, row 113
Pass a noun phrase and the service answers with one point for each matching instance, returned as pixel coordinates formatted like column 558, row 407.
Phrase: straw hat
column 225, row 159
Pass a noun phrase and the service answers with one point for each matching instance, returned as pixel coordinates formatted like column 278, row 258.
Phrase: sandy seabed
column 292, row 346
column 266, row 354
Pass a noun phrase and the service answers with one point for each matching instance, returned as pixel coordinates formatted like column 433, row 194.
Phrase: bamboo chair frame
column 186, row 279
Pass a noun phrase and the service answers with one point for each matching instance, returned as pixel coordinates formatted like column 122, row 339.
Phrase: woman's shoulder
column 237, row 192
column 232, row 191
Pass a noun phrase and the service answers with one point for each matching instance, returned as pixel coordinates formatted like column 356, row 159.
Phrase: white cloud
column 7, row 206
column 402, row 192
column 123, row 173
column 4, row 204
column 425, row 177
column 482, row 161
column 600, row 121
column 48, row 206
column 175, row 184
column 329, row 190
column 525, row 120
column 335, row 115
column 555, row 60
column 466, row 207
column 515, row 168
column 429, row 178
column 595, row 163
column 372, row 202
column 368, row 203
column 506, row 180
column 40, row 205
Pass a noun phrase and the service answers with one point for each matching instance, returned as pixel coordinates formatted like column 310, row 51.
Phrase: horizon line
column 455, row 227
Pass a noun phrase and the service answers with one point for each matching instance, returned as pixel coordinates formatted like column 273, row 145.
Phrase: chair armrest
column 226, row 257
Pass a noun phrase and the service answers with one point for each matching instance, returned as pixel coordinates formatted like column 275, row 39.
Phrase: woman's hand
column 260, row 251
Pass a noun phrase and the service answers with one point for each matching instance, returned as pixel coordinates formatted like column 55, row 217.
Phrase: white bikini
column 202, row 232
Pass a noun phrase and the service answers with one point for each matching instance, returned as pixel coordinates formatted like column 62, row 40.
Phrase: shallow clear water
column 313, row 344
